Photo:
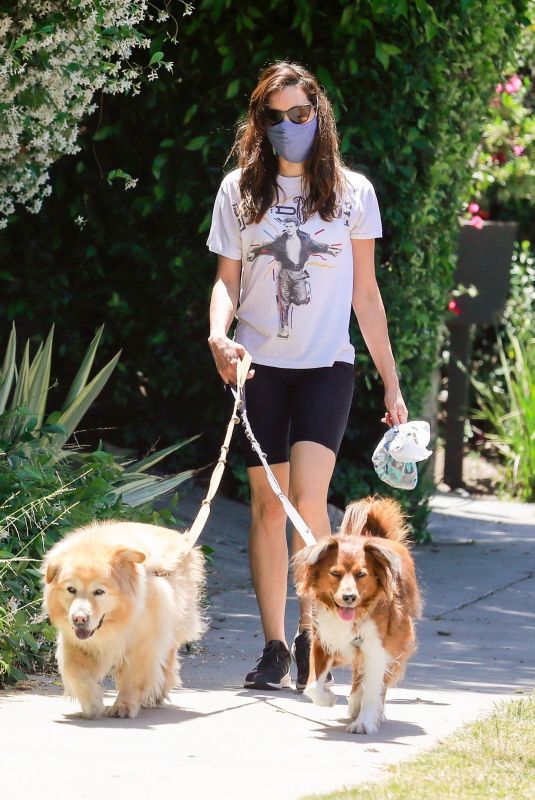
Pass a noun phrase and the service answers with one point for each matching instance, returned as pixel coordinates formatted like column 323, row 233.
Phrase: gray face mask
column 291, row 141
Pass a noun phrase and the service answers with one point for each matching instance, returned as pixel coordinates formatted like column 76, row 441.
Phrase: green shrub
column 503, row 178
column 520, row 308
column 503, row 382
column 518, row 315
column 511, row 413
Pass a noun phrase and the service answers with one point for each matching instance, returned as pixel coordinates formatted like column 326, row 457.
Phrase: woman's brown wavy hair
column 323, row 175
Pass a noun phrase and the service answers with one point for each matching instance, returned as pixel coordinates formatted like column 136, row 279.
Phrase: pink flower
column 477, row 222
column 513, row 85
column 453, row 307
column 473, row 208
column 499, row 88
column 519, row 149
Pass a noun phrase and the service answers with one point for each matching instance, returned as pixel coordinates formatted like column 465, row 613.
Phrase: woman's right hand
column 226, row 354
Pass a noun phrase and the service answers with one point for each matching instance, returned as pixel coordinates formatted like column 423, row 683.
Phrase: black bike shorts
column 285, row 406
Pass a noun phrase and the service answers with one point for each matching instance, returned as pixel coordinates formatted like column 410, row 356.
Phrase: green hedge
column 410, row 83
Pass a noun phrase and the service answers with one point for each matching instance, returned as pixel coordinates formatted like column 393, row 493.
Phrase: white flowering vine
column 55, row 56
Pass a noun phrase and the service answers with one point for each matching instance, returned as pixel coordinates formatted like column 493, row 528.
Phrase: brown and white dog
column 364, row 600
column 123, row 597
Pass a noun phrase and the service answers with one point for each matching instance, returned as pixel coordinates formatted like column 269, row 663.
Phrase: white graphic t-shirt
column 297, row 276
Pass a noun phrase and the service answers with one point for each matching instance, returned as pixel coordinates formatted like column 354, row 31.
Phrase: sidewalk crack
column 482, row 597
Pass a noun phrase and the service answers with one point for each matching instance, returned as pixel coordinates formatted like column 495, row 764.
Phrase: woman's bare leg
column 306, row 478
column 268, row 551
column 311, row 469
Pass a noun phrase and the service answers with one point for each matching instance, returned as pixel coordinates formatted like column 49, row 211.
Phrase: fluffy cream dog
column 123, row 597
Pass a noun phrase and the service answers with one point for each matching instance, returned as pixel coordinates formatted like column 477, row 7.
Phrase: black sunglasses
column 297, row 114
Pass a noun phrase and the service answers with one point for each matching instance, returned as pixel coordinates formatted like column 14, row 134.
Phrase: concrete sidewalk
column 476, row 647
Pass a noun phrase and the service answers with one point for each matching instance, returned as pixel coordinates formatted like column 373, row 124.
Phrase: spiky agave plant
column 24, row 426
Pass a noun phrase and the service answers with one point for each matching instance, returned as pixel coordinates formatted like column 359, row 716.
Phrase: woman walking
column 294, row 232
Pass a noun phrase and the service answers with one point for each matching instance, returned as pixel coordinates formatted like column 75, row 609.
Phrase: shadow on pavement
column 391, row 731
column 146, row 719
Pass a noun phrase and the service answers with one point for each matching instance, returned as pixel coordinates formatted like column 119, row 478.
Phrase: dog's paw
column 122, row 709
column 92, row 710
column 319, row 695
column 153, row 702
column 365, row 723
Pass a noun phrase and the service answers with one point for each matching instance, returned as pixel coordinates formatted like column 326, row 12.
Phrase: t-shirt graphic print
column 291, row 251
column 297, row 275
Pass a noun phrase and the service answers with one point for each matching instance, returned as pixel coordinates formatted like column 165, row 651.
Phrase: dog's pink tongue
column 347, row 614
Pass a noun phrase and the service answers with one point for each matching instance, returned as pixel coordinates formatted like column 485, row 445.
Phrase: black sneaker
column 273, row 668
column 301, row 656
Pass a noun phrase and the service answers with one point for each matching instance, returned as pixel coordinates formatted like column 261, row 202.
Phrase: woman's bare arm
column 370, row 312
column 223, row 306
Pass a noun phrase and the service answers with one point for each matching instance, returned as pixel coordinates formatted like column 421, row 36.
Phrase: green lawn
column 493, row 759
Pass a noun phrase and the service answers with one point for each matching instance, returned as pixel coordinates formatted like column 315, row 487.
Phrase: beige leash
column 293, row 514
column 190, row 538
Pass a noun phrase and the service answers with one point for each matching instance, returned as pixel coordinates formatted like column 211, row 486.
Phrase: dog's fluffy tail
column 375, row 516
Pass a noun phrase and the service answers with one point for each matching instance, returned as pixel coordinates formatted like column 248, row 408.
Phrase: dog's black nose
column 349, row 598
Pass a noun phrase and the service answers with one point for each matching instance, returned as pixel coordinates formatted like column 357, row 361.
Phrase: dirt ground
column 480, row 476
